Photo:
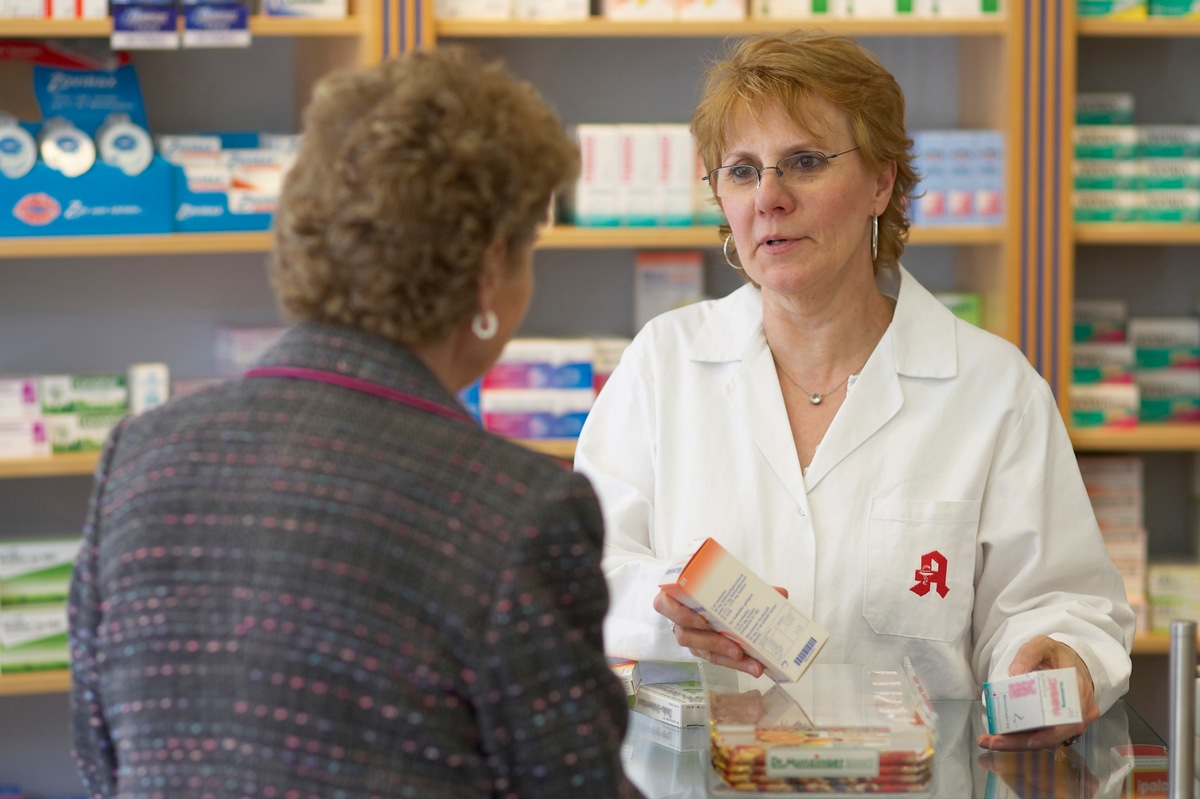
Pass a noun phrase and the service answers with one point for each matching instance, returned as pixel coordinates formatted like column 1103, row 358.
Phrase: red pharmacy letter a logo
column 931, row 573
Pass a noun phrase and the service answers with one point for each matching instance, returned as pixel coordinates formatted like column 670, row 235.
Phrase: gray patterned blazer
column 339, row 587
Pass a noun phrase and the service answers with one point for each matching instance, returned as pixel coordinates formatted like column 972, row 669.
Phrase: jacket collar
column 359, row 355
column 920, row 343
column 922, row 340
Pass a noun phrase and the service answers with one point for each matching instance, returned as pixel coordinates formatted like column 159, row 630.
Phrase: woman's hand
column 1036, row 654
column 692, row 632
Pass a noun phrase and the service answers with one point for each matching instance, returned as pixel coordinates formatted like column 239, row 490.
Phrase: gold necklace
column 813, row 397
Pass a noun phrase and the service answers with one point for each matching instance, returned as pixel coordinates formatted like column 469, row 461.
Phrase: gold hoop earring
column 874, row 238
column 725, row 252
column 485, row 325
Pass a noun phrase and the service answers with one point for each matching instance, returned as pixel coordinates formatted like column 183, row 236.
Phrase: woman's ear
column 884, row 183
column 495, row 262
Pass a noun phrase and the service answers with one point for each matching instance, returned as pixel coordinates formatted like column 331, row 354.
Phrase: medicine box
column 535, row 413
column 681, row 704
column 33, row 638
column 542, row 363
column 101, row 393
column 24, row 438
column 1100, row 320
column 1031, row 701
column 81, row 432
column 629, row 673
column 36, row 571
column 664, row 281
column 737, row 602
column 19, row 398
column 1104, row 405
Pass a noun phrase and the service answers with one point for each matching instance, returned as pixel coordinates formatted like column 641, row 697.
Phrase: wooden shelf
column 1137, row 233
column 159, row 244
column 598, row 27
column 1152, row 644
column 259, row 26
column 51, row 466
column 35, row 682
column 1160, row 26
column 1158, row 437
column 560, row 237
column 558, row 447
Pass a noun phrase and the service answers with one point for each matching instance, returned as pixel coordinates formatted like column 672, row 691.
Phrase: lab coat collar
column 920, row 343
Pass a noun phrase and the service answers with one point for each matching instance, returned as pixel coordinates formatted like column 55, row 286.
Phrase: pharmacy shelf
column 560, row 237
column 159, row 244
column 1146, row 437
column 1161, row 26
column 598, row 27
column 67, row 465
column 1152, row 644
column 85, row 463
column 35, row 682
column 1137, row 233
column 563, row 448
column 351, row 27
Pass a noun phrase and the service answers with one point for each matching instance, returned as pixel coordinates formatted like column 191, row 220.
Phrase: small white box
column 740, row 604
column 595, row 201
column 681, row 704
column 24, row 438
column 323, row 9
column 629, row 673
column 1031, row 701
column 550, row 9
column 473, row 9
column 149, row 386
column 19, row 398
column 665, row 280
column 639, row 9
column 104, row 393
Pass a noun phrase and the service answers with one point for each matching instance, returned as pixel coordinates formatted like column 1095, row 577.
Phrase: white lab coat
column 948, row 442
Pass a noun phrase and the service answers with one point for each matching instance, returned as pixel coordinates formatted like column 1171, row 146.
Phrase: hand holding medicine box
column 741, row 605
column 1030, row 701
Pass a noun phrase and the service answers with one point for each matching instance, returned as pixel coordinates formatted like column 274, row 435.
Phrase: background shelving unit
column 1152, row 266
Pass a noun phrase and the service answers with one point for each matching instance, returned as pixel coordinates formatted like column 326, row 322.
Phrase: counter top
column 1090, row 769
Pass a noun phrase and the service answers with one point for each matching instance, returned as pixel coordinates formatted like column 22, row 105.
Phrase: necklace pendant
column 815, row 398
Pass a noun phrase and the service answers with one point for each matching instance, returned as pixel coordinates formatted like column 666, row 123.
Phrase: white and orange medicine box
column 741, row 605
column 1044, row 698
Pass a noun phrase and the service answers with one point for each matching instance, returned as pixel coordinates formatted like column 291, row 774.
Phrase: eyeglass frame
column 778, row 171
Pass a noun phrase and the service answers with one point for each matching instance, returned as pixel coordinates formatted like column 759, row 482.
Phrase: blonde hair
column 407, row 171
column 788, row 71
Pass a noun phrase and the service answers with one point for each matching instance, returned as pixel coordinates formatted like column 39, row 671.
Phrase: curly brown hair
column 787, row 71
column 407, row 171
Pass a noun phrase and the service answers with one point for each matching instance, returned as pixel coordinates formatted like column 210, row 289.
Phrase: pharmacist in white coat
column 904, row 476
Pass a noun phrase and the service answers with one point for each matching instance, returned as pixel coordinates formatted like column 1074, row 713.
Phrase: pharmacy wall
column 87, row 313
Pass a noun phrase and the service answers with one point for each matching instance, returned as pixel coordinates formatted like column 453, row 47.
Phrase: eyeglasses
column 797, row 169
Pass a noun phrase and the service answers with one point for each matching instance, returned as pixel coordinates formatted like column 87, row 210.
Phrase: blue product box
column 102, row 201
column 209, row 212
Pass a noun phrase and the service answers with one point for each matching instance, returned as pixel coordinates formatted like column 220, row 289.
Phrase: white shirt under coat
column 948, row 441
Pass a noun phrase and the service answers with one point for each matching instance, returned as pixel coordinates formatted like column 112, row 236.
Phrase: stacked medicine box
column 34, row 583
column 962, row 178
column 1138, row 9
column 1115, row 486
column 660, row 10
column 639, row 176
column 1125, row 172
column 1103, row 392
column 543, row 388
column 1133, row 370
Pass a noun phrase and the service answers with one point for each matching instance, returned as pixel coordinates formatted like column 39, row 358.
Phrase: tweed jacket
column 292, row 587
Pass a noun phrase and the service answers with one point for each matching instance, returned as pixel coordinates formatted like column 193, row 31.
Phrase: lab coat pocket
column 920, row 567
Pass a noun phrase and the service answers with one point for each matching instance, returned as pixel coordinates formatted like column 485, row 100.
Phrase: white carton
column 1030, row 701
column 681, row 704
column 19, row 398
column 24, row 438
column 740, row 604
column 595, row 202
column 665, row 280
